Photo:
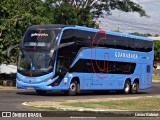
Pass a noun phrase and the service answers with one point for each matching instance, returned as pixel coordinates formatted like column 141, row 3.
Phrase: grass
column 142, row 104
column 156, row 77
column 60, row 100
column 47, row 108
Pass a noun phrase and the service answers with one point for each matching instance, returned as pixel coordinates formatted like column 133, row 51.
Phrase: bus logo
column 95, row 43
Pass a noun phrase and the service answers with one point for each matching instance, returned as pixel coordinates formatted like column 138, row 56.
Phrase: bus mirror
column 51, row 53
column 60, row 46
column 65, row 44
column 10, row 49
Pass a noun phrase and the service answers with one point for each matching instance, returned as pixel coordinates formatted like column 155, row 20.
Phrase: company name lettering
column 126, row 55
column 41, row 44
column 39, row 34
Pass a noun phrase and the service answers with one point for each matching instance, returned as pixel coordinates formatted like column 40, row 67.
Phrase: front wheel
column 41, row 92
column 73, row 88
column 135, row 88
column 127, row 87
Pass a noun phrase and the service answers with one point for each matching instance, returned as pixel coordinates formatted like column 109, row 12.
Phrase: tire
column 127, row 87
column 135, row 88
column 41, row 92
column 73, row 88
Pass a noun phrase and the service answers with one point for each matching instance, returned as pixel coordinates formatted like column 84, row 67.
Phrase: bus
column 76, row 58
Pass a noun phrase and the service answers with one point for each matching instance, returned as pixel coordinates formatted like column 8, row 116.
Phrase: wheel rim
column 134, row 87
column 72, row 87
column 127, row 88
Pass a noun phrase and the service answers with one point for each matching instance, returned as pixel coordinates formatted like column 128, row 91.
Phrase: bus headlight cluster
column 19, row 79
column 48, row 79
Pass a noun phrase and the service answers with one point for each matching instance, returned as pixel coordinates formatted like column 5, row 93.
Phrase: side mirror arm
column 65, row 44
column 59, row 47
column 10, row 49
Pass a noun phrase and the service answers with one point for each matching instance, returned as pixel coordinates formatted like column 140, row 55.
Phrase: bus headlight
column 65, row 80
column 70, row 74
column 19, row 79
column 46, row 80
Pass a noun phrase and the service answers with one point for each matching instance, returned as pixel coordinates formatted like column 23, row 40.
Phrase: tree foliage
column 156, row 50
column 141, row 34
column 16, row 17
column 83, row 12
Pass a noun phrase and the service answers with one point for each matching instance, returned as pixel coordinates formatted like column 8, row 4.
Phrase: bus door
column 87, row 78
column 87, row 75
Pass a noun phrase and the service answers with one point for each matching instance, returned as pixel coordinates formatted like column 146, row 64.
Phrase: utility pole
column 119, row 21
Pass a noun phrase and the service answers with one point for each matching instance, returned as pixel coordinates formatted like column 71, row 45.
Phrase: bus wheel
column 73, row 88
column 127, row 87
column 135, row 88
column 41, row 92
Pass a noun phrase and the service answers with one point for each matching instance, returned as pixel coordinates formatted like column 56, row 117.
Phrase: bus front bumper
column 40, row 86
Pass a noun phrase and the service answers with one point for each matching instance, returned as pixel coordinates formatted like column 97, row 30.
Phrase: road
column 11, row 100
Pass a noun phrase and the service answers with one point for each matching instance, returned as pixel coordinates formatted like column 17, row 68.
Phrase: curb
column 156, row 81
column 74, row 109
column 7, row 88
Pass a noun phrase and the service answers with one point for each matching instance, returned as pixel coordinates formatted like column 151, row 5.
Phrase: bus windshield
column 35, row 63
column 40, row 38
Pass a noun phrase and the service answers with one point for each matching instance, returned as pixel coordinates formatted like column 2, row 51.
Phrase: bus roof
column 51, row 26
column 116, row 33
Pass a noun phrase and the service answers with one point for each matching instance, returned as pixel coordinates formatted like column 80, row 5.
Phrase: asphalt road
column 11, row 100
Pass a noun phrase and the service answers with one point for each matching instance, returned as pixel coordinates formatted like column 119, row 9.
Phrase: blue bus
column 76, row 58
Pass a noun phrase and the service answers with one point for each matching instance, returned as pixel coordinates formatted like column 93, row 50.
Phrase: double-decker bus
column 76, row 58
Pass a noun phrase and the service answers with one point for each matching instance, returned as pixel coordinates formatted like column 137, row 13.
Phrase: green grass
column 142, row 104
column 60, row 100
column 47, row 108
column 156, row 77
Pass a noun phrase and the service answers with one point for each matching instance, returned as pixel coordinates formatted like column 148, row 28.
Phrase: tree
column 70, row 15
column 140, row 34
column 156, row 50
column 83, row 12
column 117, row 31
column 16, row 17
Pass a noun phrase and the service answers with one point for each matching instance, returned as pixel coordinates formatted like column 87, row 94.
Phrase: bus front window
column 37, row 63
column 40, row 39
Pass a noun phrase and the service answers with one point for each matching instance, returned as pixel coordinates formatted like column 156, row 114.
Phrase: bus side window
column 87, row 66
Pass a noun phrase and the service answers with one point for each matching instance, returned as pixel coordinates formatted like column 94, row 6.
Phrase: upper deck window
column 40, row 38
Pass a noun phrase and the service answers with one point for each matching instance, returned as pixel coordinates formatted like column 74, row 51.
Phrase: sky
column 132, row 22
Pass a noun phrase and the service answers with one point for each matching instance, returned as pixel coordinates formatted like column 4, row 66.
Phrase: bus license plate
column 30, row 88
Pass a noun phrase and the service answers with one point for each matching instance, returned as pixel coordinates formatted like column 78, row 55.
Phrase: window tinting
column 101, row 66
column 86, row 38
